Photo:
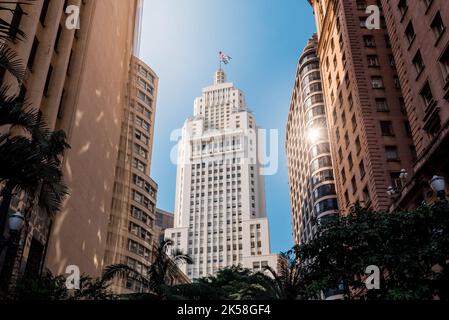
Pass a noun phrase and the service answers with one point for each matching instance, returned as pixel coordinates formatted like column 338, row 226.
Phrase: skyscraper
column 77, row 79
column 369, row 130
column 420, row 43
column 131, row 235
column 220, row 217
column 311, row 176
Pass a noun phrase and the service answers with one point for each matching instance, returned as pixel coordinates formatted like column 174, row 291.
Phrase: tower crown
column 220, row 77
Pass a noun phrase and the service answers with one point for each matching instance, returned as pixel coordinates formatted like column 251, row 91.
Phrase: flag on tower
column 224, row 57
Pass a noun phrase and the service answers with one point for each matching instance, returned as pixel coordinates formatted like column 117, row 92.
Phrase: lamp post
column 439, row 186
column 391, row 191
column 16, row 222
column 403, row 177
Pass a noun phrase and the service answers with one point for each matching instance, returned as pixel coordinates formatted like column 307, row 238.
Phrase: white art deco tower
column 220, row 216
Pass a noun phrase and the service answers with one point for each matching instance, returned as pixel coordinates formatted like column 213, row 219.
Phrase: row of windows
column 141, row 199
column 140, row 232
column 138, row 214
column 139, row 249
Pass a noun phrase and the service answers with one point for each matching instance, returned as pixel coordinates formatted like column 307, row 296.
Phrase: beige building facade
column 370, row 133
column 77, row 78
column 420, row 43
column 131, row 231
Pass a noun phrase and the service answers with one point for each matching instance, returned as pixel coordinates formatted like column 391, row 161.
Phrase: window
column 438, row 25
column 347, row 197
column 397, row 82
column 386, row 128
column 366, row 195
column 362, row 169
column 47, row 81
column 15, row 22
column 354, row 122
column 382, row 105
column 343, row 175
column 391, row 153
column 362, row 22
column 427, row 3
column 326, row 205
column 358, row 146
column 58, row 36
column 418, row 62
column 368, row 40
column 444, row 61
column 139, row 165
column 44, row 12
column 361, row 5
column 322, row 176
column 350, row 161
column 387, row 38
column 403, row 7
column 410, row 33
column 377, row 82
column 373, row 61
column 324, row 191
column 408, row 130
column 354, row 184
column 392, row 61
column 33, row 54
column 426, row 94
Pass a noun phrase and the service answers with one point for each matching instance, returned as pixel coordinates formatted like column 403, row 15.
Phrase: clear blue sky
column 181, row 40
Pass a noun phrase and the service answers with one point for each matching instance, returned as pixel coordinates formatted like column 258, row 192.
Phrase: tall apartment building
column 164, row 220
column 220, row 217
column 369, row 129
column 310, row 171
column 77, row 79
column 420, row 43
column 131, row 232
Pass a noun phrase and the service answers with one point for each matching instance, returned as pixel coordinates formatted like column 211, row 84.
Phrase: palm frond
column 8, row 31
column 15, row 112
column 122, row 271
column 11, row 62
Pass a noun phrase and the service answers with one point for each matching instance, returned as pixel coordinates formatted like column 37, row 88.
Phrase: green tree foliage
column 52, row 288
column 232, row 283
column 160, row 275
column 411, row 250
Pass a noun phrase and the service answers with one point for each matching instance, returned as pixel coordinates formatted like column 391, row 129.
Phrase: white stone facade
column 220, row 215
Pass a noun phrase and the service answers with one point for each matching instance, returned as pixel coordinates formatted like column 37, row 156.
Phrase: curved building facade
column 131, row 232
column 311, row 176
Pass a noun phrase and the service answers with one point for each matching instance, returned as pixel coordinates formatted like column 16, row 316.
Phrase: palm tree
column 285, row 283
column 32, row 165
column 160, row 275
column 27, row 163
column 9, row 32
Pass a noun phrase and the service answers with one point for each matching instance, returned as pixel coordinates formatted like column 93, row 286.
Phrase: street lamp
column 15, row 224
column 391, row 191
column 403, row 177
column 16, row 221
column 439, row 186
